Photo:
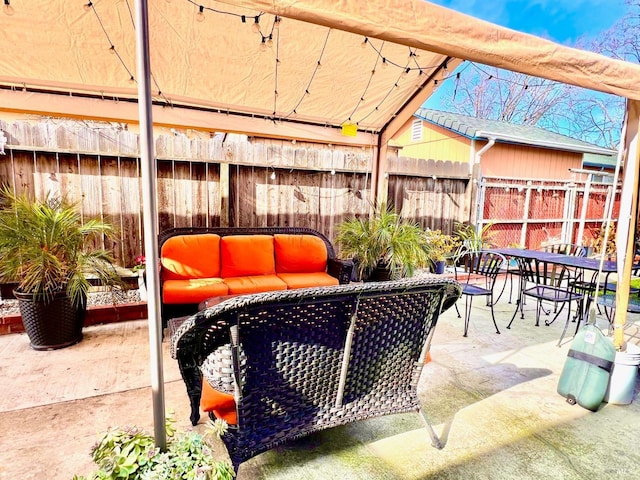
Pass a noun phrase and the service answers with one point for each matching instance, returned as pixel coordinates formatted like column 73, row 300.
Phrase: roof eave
column 500, row 137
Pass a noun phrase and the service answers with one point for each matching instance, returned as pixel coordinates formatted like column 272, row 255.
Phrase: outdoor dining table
column 571, row 261
column 580, row 264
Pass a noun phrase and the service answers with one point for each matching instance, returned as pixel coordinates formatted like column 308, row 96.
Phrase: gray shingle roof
column 479, row 128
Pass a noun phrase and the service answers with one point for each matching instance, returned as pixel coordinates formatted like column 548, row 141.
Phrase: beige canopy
column 213, row 74
column 332, row 65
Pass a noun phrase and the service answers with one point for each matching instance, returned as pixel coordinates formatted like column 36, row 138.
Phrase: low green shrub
column 131, row 454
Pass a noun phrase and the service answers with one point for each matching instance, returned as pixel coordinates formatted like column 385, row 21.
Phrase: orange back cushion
column 300, row 254
column 191, row 256
column 243, row 255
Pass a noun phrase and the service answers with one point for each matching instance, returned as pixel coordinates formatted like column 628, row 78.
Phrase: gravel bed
column 9, row 306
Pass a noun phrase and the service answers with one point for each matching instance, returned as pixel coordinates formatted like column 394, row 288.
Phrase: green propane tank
column 585, row 376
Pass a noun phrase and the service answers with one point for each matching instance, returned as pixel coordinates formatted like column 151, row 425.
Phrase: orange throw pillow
column 221, row 404
column 244, row 255
column 300, row 253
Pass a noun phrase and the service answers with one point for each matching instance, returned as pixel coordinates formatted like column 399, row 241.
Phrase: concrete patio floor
column 492, row 399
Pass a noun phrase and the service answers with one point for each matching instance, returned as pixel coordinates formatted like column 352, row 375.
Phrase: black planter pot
column 379, row 274
column 51, row 325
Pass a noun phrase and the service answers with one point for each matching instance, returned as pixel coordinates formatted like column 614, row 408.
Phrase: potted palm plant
column 44, row 249
column 384, row 246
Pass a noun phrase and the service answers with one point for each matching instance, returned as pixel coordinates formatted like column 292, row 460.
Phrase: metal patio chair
column 480, row 270
column 537, row 282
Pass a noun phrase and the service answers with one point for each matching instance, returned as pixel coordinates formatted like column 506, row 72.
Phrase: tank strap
column 597, row 361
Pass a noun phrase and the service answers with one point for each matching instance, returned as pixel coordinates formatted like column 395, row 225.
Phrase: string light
column 200, row 14
column 267, row 40
column 273, row 175
column 8, row 9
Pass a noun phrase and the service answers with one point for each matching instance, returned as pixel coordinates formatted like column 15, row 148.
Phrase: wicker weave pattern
column 294, row 343
column 53, row 325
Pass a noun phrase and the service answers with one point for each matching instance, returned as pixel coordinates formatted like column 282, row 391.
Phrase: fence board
column 182, row 208
column 90, row 185
column 24, row 169
column 69, row 176
column 111, row 204
column 165, row 200
column 132, row 232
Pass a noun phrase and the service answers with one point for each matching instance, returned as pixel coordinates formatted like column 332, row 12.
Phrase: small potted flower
column 139, row 268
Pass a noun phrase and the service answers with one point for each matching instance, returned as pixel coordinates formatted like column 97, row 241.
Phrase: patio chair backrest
column 566, row 249
column 484, row 264
column 543, row 273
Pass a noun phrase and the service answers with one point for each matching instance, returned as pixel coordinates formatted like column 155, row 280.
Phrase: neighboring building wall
column 505, row 160
column 526, row 162
column 436, row 143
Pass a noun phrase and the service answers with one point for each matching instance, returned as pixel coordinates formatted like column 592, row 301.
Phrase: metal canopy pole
column 149, row 215
column 626, row 230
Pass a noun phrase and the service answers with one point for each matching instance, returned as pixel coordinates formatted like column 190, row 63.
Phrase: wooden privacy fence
column 211, row 180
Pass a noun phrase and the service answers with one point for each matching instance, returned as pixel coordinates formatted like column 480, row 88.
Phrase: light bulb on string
column 318, row 65
column 263, row 45
column 200, row 14
column 256, row 24
column 273, row 175
column 8, row 9
column 364, row 42
column 384, row 62
column 87, row 6
column 112, row 49
column 276, row 22
column 270, row 41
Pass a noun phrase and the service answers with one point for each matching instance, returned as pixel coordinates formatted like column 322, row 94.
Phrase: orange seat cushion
column 299, row 253
column 193, row 290
column 221, row 404
column 304, row 280
column 254, row 284
column 191, row 256
column 243, row 255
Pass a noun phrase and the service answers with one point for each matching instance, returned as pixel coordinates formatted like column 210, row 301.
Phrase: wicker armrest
column 340, row 269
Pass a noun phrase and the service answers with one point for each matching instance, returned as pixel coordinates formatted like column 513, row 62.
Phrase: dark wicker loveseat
column 300, row 361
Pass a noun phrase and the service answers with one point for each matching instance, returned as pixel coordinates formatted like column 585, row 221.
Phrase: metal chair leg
column 493, row 316
column 435, row 440
column 468, row 302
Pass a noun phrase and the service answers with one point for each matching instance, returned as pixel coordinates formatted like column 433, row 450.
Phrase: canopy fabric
column 317, row 64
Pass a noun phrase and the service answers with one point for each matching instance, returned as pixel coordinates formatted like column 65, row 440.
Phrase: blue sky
column 562, row 21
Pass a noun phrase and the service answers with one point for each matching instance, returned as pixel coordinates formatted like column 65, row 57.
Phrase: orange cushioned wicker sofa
column 200, row 263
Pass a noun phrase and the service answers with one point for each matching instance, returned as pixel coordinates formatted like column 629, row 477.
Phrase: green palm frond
column 45, row 247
